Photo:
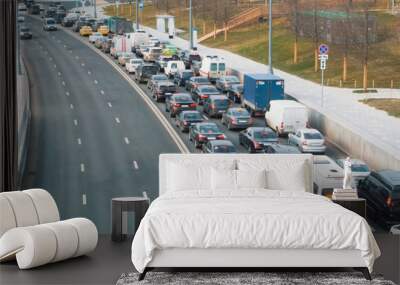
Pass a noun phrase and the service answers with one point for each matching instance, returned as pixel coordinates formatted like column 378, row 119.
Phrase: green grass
column 391, row 106
column 251, row 41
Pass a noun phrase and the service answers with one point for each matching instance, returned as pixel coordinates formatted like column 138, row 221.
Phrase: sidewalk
column 339, row 104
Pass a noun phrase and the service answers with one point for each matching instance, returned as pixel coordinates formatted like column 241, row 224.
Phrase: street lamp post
column 95, row 10
column 137, row 15
column 190, row 26
column 271, row 71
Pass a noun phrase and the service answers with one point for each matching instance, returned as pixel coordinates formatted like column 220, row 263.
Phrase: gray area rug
column 244, row 278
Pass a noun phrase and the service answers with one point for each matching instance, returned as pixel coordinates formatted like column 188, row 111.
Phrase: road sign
column 323, row 49
column 141, row 5
column 322, row 60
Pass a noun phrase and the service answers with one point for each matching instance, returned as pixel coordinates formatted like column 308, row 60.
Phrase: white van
column 174, row 66
column 152, row 54
column 213, row 67
column 137, row 38
column 286, row 116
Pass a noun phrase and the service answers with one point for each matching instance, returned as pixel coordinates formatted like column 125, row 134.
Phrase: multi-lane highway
column 95, row 133
column 92, row 136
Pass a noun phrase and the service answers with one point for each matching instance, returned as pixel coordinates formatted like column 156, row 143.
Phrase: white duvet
column 250, row 219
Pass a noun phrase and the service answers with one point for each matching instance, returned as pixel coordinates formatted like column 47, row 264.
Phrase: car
column 85, row 31
column 124, row 57
column 145, row 71
column 195, row 82
column 308, row 140
column 235, row 93
column 152, row 54
column 94, row 36
column 224, row 83
column 182, row 76
column 281, row 149
column 219, row 146
column 79, row 24
column 68, row 22
column 103, row 30
column 179, row 102
column 237, row 118
column 189, row 56
column 200, row 133
column 186, row 118
column 162, row 90
column 132, row 64
column 359, row 169
column 381, row 190
column 216, row 105
column 162, row 62
column 49, row 24
column 99, row 42
column 154, row 79
column 106, row 45
column 20, row 19
column 25, row 33
column 202, row 92
column 395, row 230
column 143, row 48
column 256, row 139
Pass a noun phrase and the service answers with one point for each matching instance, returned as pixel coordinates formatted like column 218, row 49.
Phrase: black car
column 235, row 93
column 196, row 81
column 186, row 118
column 189, row 56
column 145, row 71
column 25, row 33
column 202, row 92
column 154, row 79
column 179, row 102
column 381, row 189
column 256, row 139
column 163, row 90
column 282, row 148
column 216, row 105
column 68, row 22
column 181, row 77
column 203, row 132
column 219, row 146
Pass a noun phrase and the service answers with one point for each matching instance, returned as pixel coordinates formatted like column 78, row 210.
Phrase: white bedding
column 250, row 219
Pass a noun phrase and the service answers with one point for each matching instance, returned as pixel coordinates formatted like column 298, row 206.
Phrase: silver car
column 308, row 140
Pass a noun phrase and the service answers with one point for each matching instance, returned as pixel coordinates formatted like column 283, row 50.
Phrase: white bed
column 202, row 220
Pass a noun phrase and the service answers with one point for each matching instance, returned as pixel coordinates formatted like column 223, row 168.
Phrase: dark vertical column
column 8, row 97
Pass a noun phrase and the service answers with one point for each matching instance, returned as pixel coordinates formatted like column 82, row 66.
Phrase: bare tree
column 315, row 33
column 294, row 12
column 366, row 43
column 347, row 37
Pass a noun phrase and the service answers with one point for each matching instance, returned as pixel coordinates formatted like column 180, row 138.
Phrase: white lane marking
column 84, row 199
column 79, row 141
column 65, row 46
column 63, row 83
column 50, row 58
column 145, row 194
column 126, row 140
column 95, row 81
column 102, row 92
column 70, row 51
column 71, row 106
column 58, row 41
column 82, row 64
column 77, row 57
column 55, row 66
column 117, row 120
column 75, row 122
column 205, row 117
column 89, row 72
column 82, row 167
column 109, row 104
column 160, row 116
column 59, row 73
column 67, row 93
column 135, row 165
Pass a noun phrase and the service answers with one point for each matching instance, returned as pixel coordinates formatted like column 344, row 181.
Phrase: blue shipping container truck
column 259, row 90
column 118, row 25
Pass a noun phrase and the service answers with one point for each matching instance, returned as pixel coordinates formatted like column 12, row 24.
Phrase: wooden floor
column 106, row 264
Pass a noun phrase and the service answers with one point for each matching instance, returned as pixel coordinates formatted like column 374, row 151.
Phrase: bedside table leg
column 364, row 271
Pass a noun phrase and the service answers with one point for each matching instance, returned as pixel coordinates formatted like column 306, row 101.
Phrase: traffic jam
column 213, row 111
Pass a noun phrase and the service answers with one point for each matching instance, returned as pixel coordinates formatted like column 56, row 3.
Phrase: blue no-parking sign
column 323, row 49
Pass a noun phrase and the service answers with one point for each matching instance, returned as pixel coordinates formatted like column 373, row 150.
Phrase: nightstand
column 357, row 206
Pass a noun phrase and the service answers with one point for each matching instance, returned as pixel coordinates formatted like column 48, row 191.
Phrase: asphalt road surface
column 92, row 136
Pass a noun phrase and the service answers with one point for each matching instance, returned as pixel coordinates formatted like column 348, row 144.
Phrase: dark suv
column 163, row 90
column 381, row 189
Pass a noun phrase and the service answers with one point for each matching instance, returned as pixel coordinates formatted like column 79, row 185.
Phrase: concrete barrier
column 24, row 117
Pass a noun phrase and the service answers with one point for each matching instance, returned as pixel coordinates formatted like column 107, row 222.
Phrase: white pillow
column 223, row 179
column 254, row 179
column 182, row 177
column 290, row 179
